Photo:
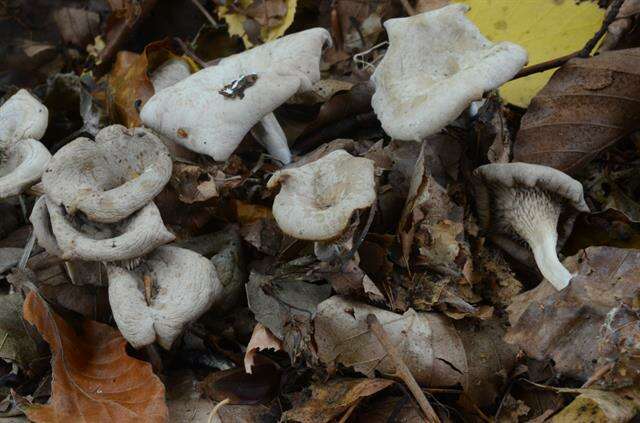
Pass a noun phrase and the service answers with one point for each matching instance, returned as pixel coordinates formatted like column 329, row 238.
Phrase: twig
column 601, row 371
column 408, row 8
column 402, row 371
column 583, row 53
column 217, row 408
column 349, row 411
column 187, row 50
column 26, row 253
column 206, row 14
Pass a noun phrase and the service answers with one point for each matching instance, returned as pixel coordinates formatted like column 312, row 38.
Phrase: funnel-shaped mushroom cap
column 316, row 201
column 135, row 236
column 109, row 179
column 526, row 201
column 22, row 116
column 438, row 62
column 212, row 110
column 21, row 164
column 42, row 227
column 185, row 285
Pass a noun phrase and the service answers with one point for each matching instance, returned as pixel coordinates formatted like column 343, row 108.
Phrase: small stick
column 408, row 8
column 545, row 66
column 402, row 371
column 349, row 411
column 217, row 407
column 601, row 371
column 206, row 14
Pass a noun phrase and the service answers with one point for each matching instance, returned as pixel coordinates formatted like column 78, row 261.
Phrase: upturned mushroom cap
column 111, row 178
column 169, row 73
column 22, row 116
column 526, row 201
column 133, row 237
column 185, row 285
column 21, row 165
column 437, row 63
column 206, row 114
column 316, row 201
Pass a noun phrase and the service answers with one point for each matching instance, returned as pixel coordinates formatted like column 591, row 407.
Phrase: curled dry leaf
column 261, row 339
column 567, row 326
column 600, row 406
column 435, row 351
column 94, row 380
column 329, row 400
column 588, row 105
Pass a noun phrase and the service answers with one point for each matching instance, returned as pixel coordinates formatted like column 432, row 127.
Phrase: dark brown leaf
column 588, row 105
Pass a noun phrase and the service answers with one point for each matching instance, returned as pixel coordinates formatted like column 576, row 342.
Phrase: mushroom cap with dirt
column 437, row 63
column 22, row 116
column 527, row 202
column 182, row 285
column 111, row 178
column 316, row 200
column 211, row 111
column 21, row 165
column 77, row 238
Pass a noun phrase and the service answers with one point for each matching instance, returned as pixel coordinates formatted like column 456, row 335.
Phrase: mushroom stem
column 544, row 252
column 270, row 135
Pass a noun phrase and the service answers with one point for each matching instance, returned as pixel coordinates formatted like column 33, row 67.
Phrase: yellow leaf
column 548, row 29
column 235, row 22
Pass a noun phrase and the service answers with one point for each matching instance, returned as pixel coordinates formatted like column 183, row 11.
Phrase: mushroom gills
column 533, row 214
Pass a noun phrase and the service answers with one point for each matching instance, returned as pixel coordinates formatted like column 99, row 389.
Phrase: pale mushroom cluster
column 23, row 121
column 98, row 206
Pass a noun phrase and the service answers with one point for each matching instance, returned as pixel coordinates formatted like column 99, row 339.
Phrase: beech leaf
column 94, row 380
column 588, row 105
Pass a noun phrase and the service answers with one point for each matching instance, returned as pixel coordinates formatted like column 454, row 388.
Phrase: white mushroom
column 212, row 110
column 437, row 63
column 42, row 227
column 182, row 285
column 21, row 165
column 111, row 178
column 169, row 73
column 22, row 116
column 526, row 201
column 135, row 236
column 316, row 200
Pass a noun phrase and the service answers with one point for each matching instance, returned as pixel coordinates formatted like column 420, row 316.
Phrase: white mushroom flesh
column 437, row 63
column 21, row 165
column 533, row 214
column 22, row 116
column 183, row 285
column 316, row 201
column 169, row 73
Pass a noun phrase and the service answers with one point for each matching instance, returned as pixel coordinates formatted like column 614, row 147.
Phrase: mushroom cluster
column 23, row 121
column 211, row 111
column 98, row 206
column 438, row 62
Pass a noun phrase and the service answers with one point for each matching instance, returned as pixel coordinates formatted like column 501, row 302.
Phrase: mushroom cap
column 169, row 73
column 135, row 236
column 22, row 116
column 23, row 165
column 525, row 175
column 437, row 63
column 111, row 178
column 187, row 284
column 195, row 114
column 316, row 200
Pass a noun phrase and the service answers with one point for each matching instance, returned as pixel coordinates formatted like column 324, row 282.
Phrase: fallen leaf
column 329, row 400
column 184, row 400
column 18, row 346
column 192, row 183
column 272, row 18
column 77, row 26
column 261, row 339
column 245, row 414
column 94, row 380
column 436, row 352
column 567, row 326
column 547, row 29
column 260, row 386
column 383, row 410
column 588, row 105
column 595, row 406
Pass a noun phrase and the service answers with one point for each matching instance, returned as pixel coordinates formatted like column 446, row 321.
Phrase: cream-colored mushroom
column 316, row 200
column 212, row 110
column 135, row 236
column 22, row 116
column 42, row 227
column 111, row 178
column 437, row 63
column 169, row 73
column 527, row 201
column 182, row 286
column 21, row 165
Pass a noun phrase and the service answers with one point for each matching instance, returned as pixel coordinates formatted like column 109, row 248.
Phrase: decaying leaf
column 595, row 406
column 93, row 378
column 547, row 29
column 437, row 354
column 587, row 105
column 261, row 339
column 329, row 400
column 567, row 326
column 259, row 387
column 258, row 21
column 18, row 345
column 185, row 401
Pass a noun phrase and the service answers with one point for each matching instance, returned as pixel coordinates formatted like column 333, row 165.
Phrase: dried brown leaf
column 94, row 380
column 586, row 106
column 261, row 339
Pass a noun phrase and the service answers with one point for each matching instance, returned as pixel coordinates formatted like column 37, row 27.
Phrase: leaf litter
column 415, row 307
